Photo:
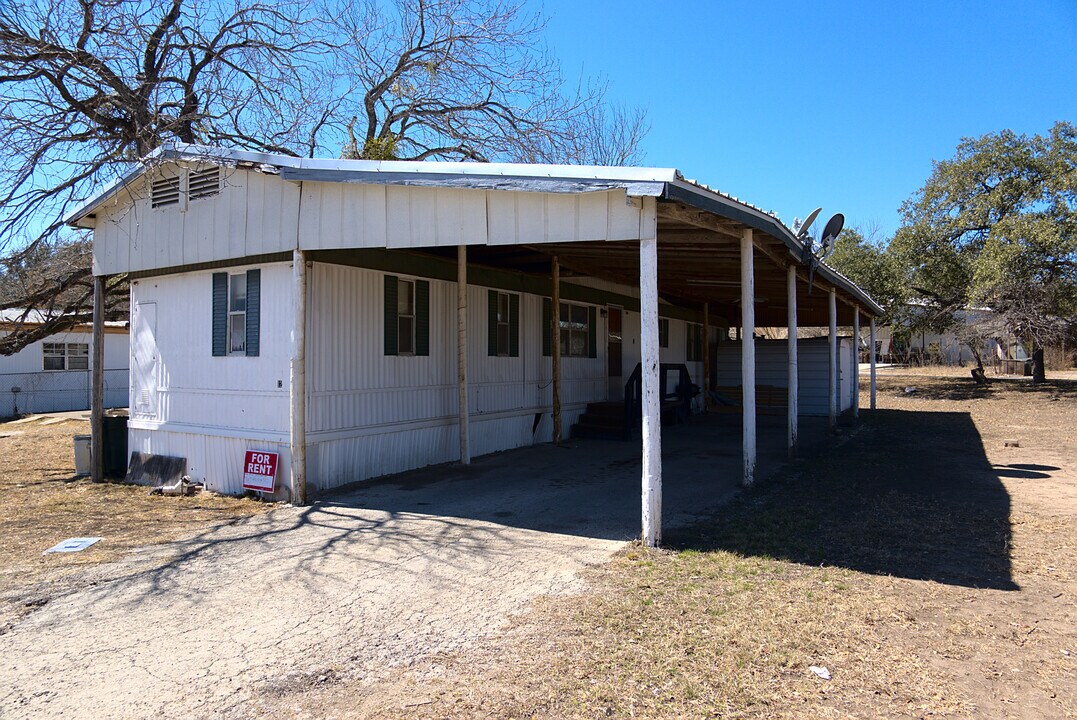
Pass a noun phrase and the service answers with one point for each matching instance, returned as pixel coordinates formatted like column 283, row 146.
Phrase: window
column 663, row 332
column 694, row 350
column 503, row 316
column 66, row 356
column 575, row 330
column 578, row 329
column 236, row 311
column 407, row 316
column 237, row 314
column 78, row 356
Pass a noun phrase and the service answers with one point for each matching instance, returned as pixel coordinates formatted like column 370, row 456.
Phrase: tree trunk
column 1039, row 372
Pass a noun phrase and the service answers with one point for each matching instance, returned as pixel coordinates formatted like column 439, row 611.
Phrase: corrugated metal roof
column 637, row 181
column 37, row 317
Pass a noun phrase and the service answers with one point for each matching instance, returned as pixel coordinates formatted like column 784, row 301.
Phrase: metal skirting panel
column 213, row 460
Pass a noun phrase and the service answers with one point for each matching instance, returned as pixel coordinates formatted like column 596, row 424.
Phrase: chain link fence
column 39, row 392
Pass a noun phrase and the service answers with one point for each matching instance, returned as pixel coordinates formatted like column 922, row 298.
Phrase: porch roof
column 698, row 228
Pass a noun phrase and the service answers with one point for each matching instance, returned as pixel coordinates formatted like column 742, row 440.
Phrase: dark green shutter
column 547, row 321
column 491, row 326
column 220, row 314
column 422, row 317
column 514, row 325
column 390, row 315
column 592, row 332
column 254, row 308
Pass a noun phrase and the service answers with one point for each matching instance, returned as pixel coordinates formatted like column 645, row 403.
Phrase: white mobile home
column 362, row 318
column 53, row 374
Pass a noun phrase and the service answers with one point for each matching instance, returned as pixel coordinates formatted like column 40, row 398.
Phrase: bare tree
column 471, row 80
column 89, row 87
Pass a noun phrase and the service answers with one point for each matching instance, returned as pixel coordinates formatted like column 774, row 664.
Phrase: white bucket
column 82, row 454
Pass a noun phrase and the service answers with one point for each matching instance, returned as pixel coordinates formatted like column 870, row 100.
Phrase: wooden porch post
column 856, row 361
column 706, row 352
column 833, row 358
column 747, row 353
column 97, row 384
column 871, row 356
column 652, row 405
column 555, row 349
column 461, row 352
column 794, row 377
column 298, row 386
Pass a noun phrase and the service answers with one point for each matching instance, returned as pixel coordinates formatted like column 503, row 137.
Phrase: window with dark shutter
column 236, row 313
column 254, row 310
column 220, row 314
column 503, row 324
column 407, row 316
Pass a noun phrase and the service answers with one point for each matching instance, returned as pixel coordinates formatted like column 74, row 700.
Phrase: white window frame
column 504, row 326
column 235, row 315
column 567, row 329
column 405, row 287
column 66, row 352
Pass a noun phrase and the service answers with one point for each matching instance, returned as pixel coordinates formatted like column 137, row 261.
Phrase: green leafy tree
column 865, row 259
column 996, row 226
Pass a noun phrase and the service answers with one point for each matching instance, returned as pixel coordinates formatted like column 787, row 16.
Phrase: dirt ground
column 929, row 564
column 42, row 502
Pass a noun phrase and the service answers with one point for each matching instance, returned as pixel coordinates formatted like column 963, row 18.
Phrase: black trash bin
column 115, row 444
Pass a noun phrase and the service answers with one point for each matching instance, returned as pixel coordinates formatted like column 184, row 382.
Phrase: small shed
column 361, row 318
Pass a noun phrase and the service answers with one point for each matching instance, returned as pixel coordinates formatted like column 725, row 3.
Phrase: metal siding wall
column 216, row 461
column 195, row 390
column 370, row 414
column 771, row 368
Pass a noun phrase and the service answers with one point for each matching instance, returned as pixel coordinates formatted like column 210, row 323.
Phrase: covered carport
column 740, row 266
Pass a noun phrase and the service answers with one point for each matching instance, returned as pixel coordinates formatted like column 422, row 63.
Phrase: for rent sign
column 259, row 470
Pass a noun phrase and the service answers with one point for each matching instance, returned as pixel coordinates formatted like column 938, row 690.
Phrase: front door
column 614, row 341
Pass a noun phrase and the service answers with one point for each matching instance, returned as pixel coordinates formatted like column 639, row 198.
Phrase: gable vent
column 204, row 183
column 165, row 191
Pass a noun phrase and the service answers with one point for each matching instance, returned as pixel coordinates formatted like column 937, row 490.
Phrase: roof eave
column 719, row 204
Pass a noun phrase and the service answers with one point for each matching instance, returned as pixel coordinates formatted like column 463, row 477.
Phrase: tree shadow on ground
column 912, row 495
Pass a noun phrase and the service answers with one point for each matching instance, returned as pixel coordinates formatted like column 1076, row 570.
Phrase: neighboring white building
column 53, row 375
column 208, row 238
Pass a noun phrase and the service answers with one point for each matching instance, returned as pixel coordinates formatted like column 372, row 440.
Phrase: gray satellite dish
column 833, row 227
column 806, row 225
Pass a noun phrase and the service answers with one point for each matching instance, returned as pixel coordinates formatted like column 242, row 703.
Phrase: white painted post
column 833, row 348
column 555, row 349
column 298, row 382
column 872, row 361
column 856, row 361
column 747, row 353
column 97, row 383
column 461, row 352
column 652, row 405
column 794, row 378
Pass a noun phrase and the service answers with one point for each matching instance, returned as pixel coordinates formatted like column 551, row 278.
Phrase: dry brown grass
column 42, row 503
column 930, row 569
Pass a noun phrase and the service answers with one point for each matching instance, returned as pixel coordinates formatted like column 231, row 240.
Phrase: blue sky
column 790, row 106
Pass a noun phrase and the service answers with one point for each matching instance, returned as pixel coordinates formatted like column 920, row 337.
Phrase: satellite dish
column 806, row 225
column 833, row 227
